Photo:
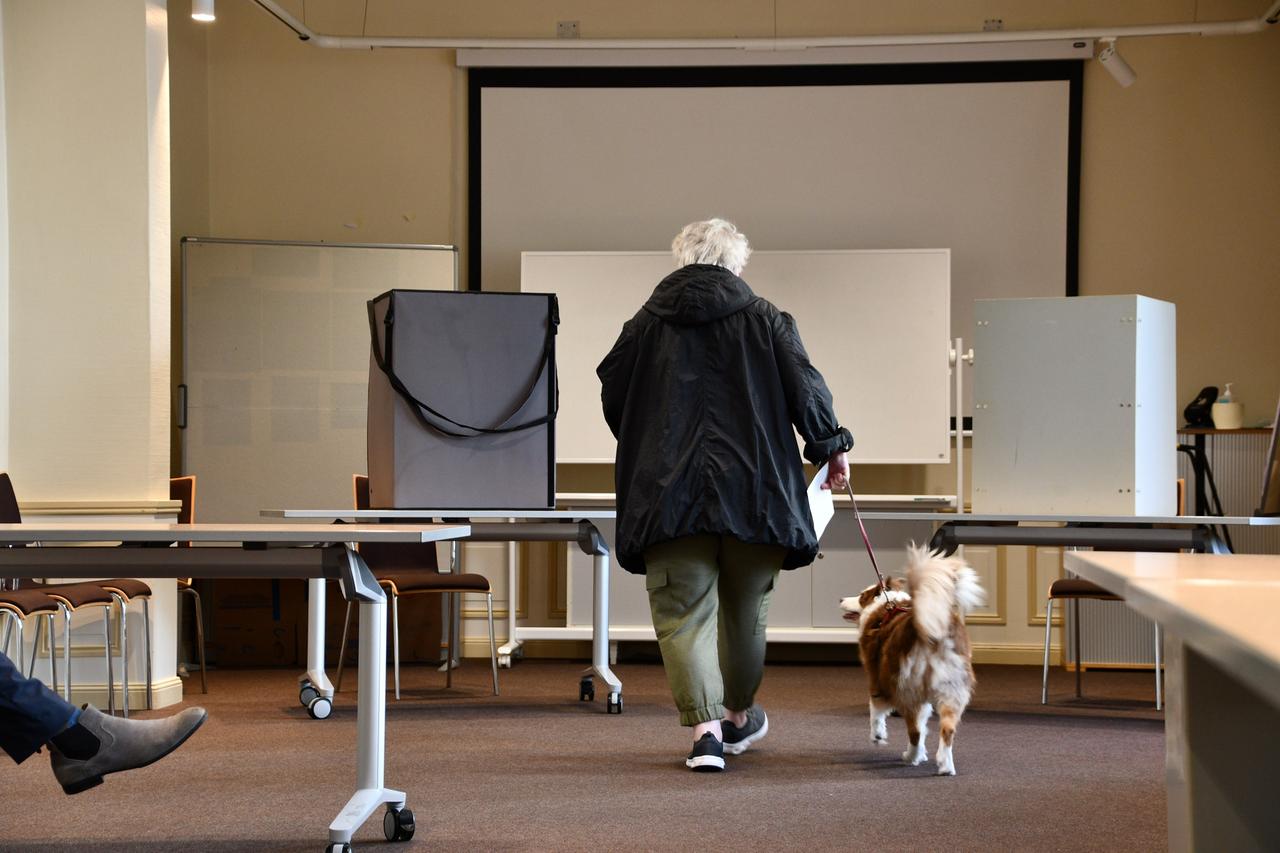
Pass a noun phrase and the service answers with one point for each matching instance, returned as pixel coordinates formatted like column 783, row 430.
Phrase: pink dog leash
column 866, row 540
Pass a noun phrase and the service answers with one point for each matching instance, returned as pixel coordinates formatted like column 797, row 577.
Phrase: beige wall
column 87, row 136
column 1180, row 185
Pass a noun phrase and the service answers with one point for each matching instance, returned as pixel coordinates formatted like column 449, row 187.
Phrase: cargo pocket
column 762, row 612
column 660, row 607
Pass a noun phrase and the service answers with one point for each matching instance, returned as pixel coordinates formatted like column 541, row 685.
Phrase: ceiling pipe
column 1216, row 28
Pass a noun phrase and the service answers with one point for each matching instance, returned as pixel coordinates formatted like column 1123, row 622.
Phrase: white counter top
column 1226, row 606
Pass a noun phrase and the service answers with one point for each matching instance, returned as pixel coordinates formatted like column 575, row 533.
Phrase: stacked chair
column 30, row 599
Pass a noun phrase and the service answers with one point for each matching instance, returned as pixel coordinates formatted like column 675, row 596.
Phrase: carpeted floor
column 534, row 769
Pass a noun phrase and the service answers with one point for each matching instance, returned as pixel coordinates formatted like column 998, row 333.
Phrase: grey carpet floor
column 534, row 769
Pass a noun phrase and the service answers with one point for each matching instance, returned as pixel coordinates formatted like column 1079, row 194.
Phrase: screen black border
column 1070, row 70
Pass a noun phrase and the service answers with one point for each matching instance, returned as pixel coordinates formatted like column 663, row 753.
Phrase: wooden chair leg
column 204, row 670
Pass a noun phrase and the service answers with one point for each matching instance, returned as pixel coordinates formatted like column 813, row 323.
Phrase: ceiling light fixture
column 1115, row 64
column 202, row 10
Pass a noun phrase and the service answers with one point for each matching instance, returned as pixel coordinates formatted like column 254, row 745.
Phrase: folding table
column 264, row 551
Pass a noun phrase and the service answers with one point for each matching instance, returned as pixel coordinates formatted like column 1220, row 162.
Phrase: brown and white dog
column 916, row 651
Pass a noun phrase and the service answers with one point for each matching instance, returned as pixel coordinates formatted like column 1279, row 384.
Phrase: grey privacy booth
column 462, row 400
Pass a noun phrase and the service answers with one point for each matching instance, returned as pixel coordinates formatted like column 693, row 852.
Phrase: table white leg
column 315, row 676
column 371, row 716
column 600, row 635
column 508, row 651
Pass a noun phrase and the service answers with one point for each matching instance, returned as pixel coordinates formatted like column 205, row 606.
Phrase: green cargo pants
column 709, row 596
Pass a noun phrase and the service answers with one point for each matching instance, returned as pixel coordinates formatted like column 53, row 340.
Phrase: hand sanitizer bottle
column 1227, row 413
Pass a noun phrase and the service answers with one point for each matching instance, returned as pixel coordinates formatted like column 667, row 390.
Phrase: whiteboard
column 876, row 324
column 276, row 366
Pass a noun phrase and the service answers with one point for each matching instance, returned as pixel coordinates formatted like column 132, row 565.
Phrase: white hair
column 715, row 241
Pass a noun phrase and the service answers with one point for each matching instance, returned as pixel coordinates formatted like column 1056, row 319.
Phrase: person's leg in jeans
column 85, row 744
column 30, row 713
column 747, row 577
column 681, row 580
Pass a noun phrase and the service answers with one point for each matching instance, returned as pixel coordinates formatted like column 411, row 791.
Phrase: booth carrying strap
column 384, row 362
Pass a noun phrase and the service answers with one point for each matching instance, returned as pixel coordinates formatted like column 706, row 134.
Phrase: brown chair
column 33, row 599
column 184, row 489
column 1075, row 590
column 412, row 569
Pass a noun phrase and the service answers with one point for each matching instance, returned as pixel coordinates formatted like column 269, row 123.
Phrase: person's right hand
column 837, row 472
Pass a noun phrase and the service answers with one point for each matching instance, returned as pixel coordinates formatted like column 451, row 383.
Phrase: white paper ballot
column 822, row 503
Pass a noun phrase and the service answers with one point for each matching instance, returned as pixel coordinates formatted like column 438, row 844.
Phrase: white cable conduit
column 1217, row 28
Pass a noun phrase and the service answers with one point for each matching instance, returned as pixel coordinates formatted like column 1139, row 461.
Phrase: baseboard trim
column 1015, row 654
column 164, row 693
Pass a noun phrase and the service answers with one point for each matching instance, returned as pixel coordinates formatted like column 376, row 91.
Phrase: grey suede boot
column 99, row 744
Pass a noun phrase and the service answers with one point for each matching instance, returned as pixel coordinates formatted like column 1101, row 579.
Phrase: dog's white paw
column 915, row 755
column 946, row 763
column 879, row 740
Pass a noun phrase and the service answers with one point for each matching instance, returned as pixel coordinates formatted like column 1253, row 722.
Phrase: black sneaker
column 707, row 755
column 737, row 740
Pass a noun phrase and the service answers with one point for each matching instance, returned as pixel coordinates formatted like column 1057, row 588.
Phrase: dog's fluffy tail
column 938, row 584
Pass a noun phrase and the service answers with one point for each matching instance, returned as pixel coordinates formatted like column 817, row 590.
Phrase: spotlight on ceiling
column 202, row 10
column 1113, row 62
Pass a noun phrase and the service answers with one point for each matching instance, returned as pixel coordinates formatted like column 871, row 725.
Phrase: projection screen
column 981, row 159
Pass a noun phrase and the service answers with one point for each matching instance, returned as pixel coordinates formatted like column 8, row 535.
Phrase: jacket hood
column 699, row 294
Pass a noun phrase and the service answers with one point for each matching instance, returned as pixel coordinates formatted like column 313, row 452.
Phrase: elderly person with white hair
column 701, row 390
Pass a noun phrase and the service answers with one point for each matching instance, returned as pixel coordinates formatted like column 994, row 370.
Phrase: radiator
column 1237, row 461
column 1113, row 634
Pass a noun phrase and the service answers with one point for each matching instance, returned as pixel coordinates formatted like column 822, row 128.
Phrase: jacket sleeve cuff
column 818, row 452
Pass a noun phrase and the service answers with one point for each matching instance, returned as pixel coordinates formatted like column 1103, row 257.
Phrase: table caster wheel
column 398, row 825
column 504, row 661
column 307, row 693
column 338, row 847
column 319, row 708
column 614, row 705
column 586, row 690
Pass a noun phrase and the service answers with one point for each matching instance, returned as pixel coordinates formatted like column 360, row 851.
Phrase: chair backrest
column 360, row 486
column 9, row 512
column 184, row 489
column 387, row 557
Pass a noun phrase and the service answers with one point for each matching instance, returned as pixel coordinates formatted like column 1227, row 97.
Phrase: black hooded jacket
column 701, row 391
